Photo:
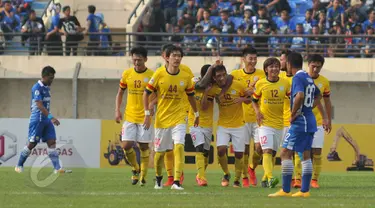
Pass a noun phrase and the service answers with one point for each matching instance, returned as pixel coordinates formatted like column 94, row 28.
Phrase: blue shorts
column 298, row 141
column 41, row 130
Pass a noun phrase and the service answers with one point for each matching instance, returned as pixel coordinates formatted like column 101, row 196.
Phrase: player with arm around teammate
column 268, row 103
column 134, row 80
column 42, row 121
column 304, row 97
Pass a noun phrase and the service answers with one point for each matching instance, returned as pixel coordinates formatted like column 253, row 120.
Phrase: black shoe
column 135, row 177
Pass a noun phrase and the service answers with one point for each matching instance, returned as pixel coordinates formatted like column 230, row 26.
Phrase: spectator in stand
column 206, row 23
column 71, row 28
column 190, row 42
column 323, row 23
column 369, row 44
column 153, row 21
column 268, row 4
column 210, row 5
column 93, row 24
column 370, row 21
column 192, row 9
column 282, row 5
column 177, row 39
column 285, row 26
column 299, row 42
column 361, row 10
column 213, row 42
column 10, row 20
column 226, row 27
column 336, row 13
column 34, row 28
column 240, row 43
column 337, row 44
column 263, row 25
column 53, row 38
column 247, row 21
column 237, row 8
column 274, row 44
column 170, row 13
column 105, row 45
column 308, row 22
column 187, row 19
column 316, row 44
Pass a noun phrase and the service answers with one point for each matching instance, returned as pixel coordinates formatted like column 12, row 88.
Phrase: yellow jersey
column 186, row 69
column 272, row 96
column 250, row 79
column 325, row 90
column 205, row 116
column 136, row 83
column 230, row 113
column 287, row 111
column 171, row 90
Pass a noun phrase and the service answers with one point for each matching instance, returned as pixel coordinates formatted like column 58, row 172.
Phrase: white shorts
column 269, row 137
column 200, row 136
column 136, row 133
column 318, row 140
column 166, row 138
column 224, row 135
column 251, row 130
column 285, row 131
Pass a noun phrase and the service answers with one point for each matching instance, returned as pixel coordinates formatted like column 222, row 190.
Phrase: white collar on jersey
column 300, row 71
column 41, row 83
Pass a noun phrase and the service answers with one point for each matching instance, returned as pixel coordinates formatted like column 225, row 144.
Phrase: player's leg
column 317, row 146
column 198, row 140
column 238, row 142
column 267, row 137
column 162, row 141
column 303, row 147
column 128, row 137
column 207, row 132
column 245, row 172
column 257, row 153
column 222, row 143
column 178, row 137
column 169, row 165
column 144, row 140
column 35, row 133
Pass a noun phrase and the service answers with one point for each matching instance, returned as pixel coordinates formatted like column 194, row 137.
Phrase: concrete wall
column 98, row 84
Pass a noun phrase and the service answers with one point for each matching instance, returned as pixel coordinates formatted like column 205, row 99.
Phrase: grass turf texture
column 112, row 188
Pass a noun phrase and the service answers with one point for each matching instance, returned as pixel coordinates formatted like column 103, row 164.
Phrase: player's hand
column 260, row 118
column 208, row 88
column 239, row 100
column 118, row 116
column 55, row 121
column 196, row 122
column 249, row 92
column 147, row 122
column 293, row 117
column 327, row 126
column 151, row 109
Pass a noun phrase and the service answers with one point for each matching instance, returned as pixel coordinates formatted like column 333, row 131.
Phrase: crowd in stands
column 41, row 36
column 264, row 18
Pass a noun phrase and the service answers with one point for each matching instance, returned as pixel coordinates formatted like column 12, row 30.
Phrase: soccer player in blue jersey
column 305, row 95
column 42, row 121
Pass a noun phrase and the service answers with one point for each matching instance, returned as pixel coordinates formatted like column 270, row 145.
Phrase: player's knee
column 51, row 143
column 143, row 146
column 31, row 145
column 247, row 149
column 199, row 148
column 127, row 145
column 286, row 154
column 267, row 151
column 258, row 148
column 316, row 151
column 274, row 153
column 221, row 151
column 238, row 155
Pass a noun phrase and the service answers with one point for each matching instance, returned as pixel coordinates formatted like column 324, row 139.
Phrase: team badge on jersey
column 265, row 101
column 320, row 85
column 256, row 78
column 37, row 92
column 233, row 92
column 146, row 79
column 151, row 81
column 182, row 83
column 282, row 88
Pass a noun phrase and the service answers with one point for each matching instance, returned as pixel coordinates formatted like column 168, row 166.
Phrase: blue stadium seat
column 303, row 7
column 298, row 19
column 215, row 20
column 237, row 21
column 225, row 5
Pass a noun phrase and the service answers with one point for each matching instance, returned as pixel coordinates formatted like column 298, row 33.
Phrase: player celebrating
column 202, row 134
column 42, row 121
column 250, row 75
column 170, row 126
column 135, row 80
column 271, row 93
column 304, row 97
column 230, row 124
column 169, row 157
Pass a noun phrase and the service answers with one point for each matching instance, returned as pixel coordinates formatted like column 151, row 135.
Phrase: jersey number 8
column 309, row 96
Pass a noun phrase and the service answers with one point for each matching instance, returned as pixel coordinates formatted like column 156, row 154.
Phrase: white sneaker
column 177, row 187
column 62, row 171
column 157, row 186
column 18, row 169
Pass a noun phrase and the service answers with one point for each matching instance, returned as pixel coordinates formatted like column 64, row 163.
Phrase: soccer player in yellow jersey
column 250, row 75
column 202, row 134
column 230, row 124
column 170, row 126
column 268, row 102
column 135, row 80
column 315, row 63
column 169, row 157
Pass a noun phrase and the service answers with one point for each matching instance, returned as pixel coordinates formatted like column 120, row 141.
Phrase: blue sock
column 287, row 172
column 307, row 170
column 54, row 156
column 24, row 155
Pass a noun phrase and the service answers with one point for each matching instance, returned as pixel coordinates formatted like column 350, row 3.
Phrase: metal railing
column 134, row 12
column 192, row 44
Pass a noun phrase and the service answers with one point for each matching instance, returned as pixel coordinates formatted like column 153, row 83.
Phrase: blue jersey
column 95, row 22
column 305, row 121
column 39, row 92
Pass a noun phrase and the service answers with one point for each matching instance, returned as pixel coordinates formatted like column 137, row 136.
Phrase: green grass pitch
column 111, row 188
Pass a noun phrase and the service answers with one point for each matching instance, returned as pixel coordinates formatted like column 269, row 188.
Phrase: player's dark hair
column 139, row 50
column 91, row 9
column 249, row 50
column 164, row 47
column 47, row 71
column 217, row 69
column 295, row 59
column 204, row 69
column 173, row 48
column 65, row 8
column 316, row 58
column 270, row 61
column 286, row 52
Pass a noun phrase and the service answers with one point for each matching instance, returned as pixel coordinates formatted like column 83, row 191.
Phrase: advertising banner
column 78, row 142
